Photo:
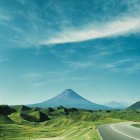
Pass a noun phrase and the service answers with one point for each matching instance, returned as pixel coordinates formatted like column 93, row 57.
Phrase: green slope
column 135, row 106
column 5, row 120
column 6, row 110
column 60, row 122
column 20, row 108
column 136, row 125
column 39, row 116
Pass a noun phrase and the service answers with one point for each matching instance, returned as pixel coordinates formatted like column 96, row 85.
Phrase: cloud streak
column 32, row 75
column 110, row 29
column 78, row 65
column 134, row 68
column 46, row 29
column 39, row 84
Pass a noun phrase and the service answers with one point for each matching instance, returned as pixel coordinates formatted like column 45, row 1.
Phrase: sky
column 47, row 46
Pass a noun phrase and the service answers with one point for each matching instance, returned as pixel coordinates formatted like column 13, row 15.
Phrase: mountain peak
column 69, row 98
column 68, row 91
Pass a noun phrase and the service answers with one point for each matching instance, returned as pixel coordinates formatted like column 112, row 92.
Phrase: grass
column 136, row 125
column 64, row 128
column 64, row 123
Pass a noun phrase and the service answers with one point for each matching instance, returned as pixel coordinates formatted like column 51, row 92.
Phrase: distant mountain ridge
column 69, row 98
column 117, row 105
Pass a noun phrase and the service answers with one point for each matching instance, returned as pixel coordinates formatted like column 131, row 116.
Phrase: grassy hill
column 39, row 116
column 20, row 108
column 135, row 106
column 136, row 125
column 131, row 115
column 5, row 120
column 6, row 110
column 21, row 122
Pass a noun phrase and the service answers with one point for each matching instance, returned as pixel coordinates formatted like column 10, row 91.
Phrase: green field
column 22, row 122
column 136, row 125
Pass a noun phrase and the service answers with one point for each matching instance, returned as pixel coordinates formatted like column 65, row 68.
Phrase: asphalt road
column 119, row 131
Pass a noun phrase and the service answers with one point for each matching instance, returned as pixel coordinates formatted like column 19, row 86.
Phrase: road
column 119, row 131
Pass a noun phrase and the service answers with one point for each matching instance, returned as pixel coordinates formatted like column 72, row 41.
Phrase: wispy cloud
column 76, row 64
column 22, row 1
column 62, row 79
column 128, row 65
column 133, row 68
column 120, row 65
column 109, row 51
column 116, row 63
column 52, row 30
column 32, row 75
column 113, row 28
column 43, row 83
column 3, row 59
column 4, row 17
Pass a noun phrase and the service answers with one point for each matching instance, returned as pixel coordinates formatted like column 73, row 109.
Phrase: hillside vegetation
column 136, row 125
column 21, row 122
column 135, row 106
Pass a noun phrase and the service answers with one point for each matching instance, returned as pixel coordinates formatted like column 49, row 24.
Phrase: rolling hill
column 4, row 119
column 135, row 106
column 20, row 108
column 60, row 122
column 69, row 98
column 6, row 110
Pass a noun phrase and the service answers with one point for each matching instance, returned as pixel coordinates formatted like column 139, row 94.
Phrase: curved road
column 119, row 131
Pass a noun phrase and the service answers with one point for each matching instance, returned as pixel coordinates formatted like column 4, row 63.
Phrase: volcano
column 69, row 98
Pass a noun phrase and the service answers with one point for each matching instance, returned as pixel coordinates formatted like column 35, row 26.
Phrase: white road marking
column 99, row 134
column 123, row 133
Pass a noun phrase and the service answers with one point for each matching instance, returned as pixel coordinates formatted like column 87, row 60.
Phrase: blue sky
column 92, row 47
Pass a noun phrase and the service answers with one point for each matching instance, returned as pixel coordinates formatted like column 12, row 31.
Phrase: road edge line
column 123, row 133
column 99, row 134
